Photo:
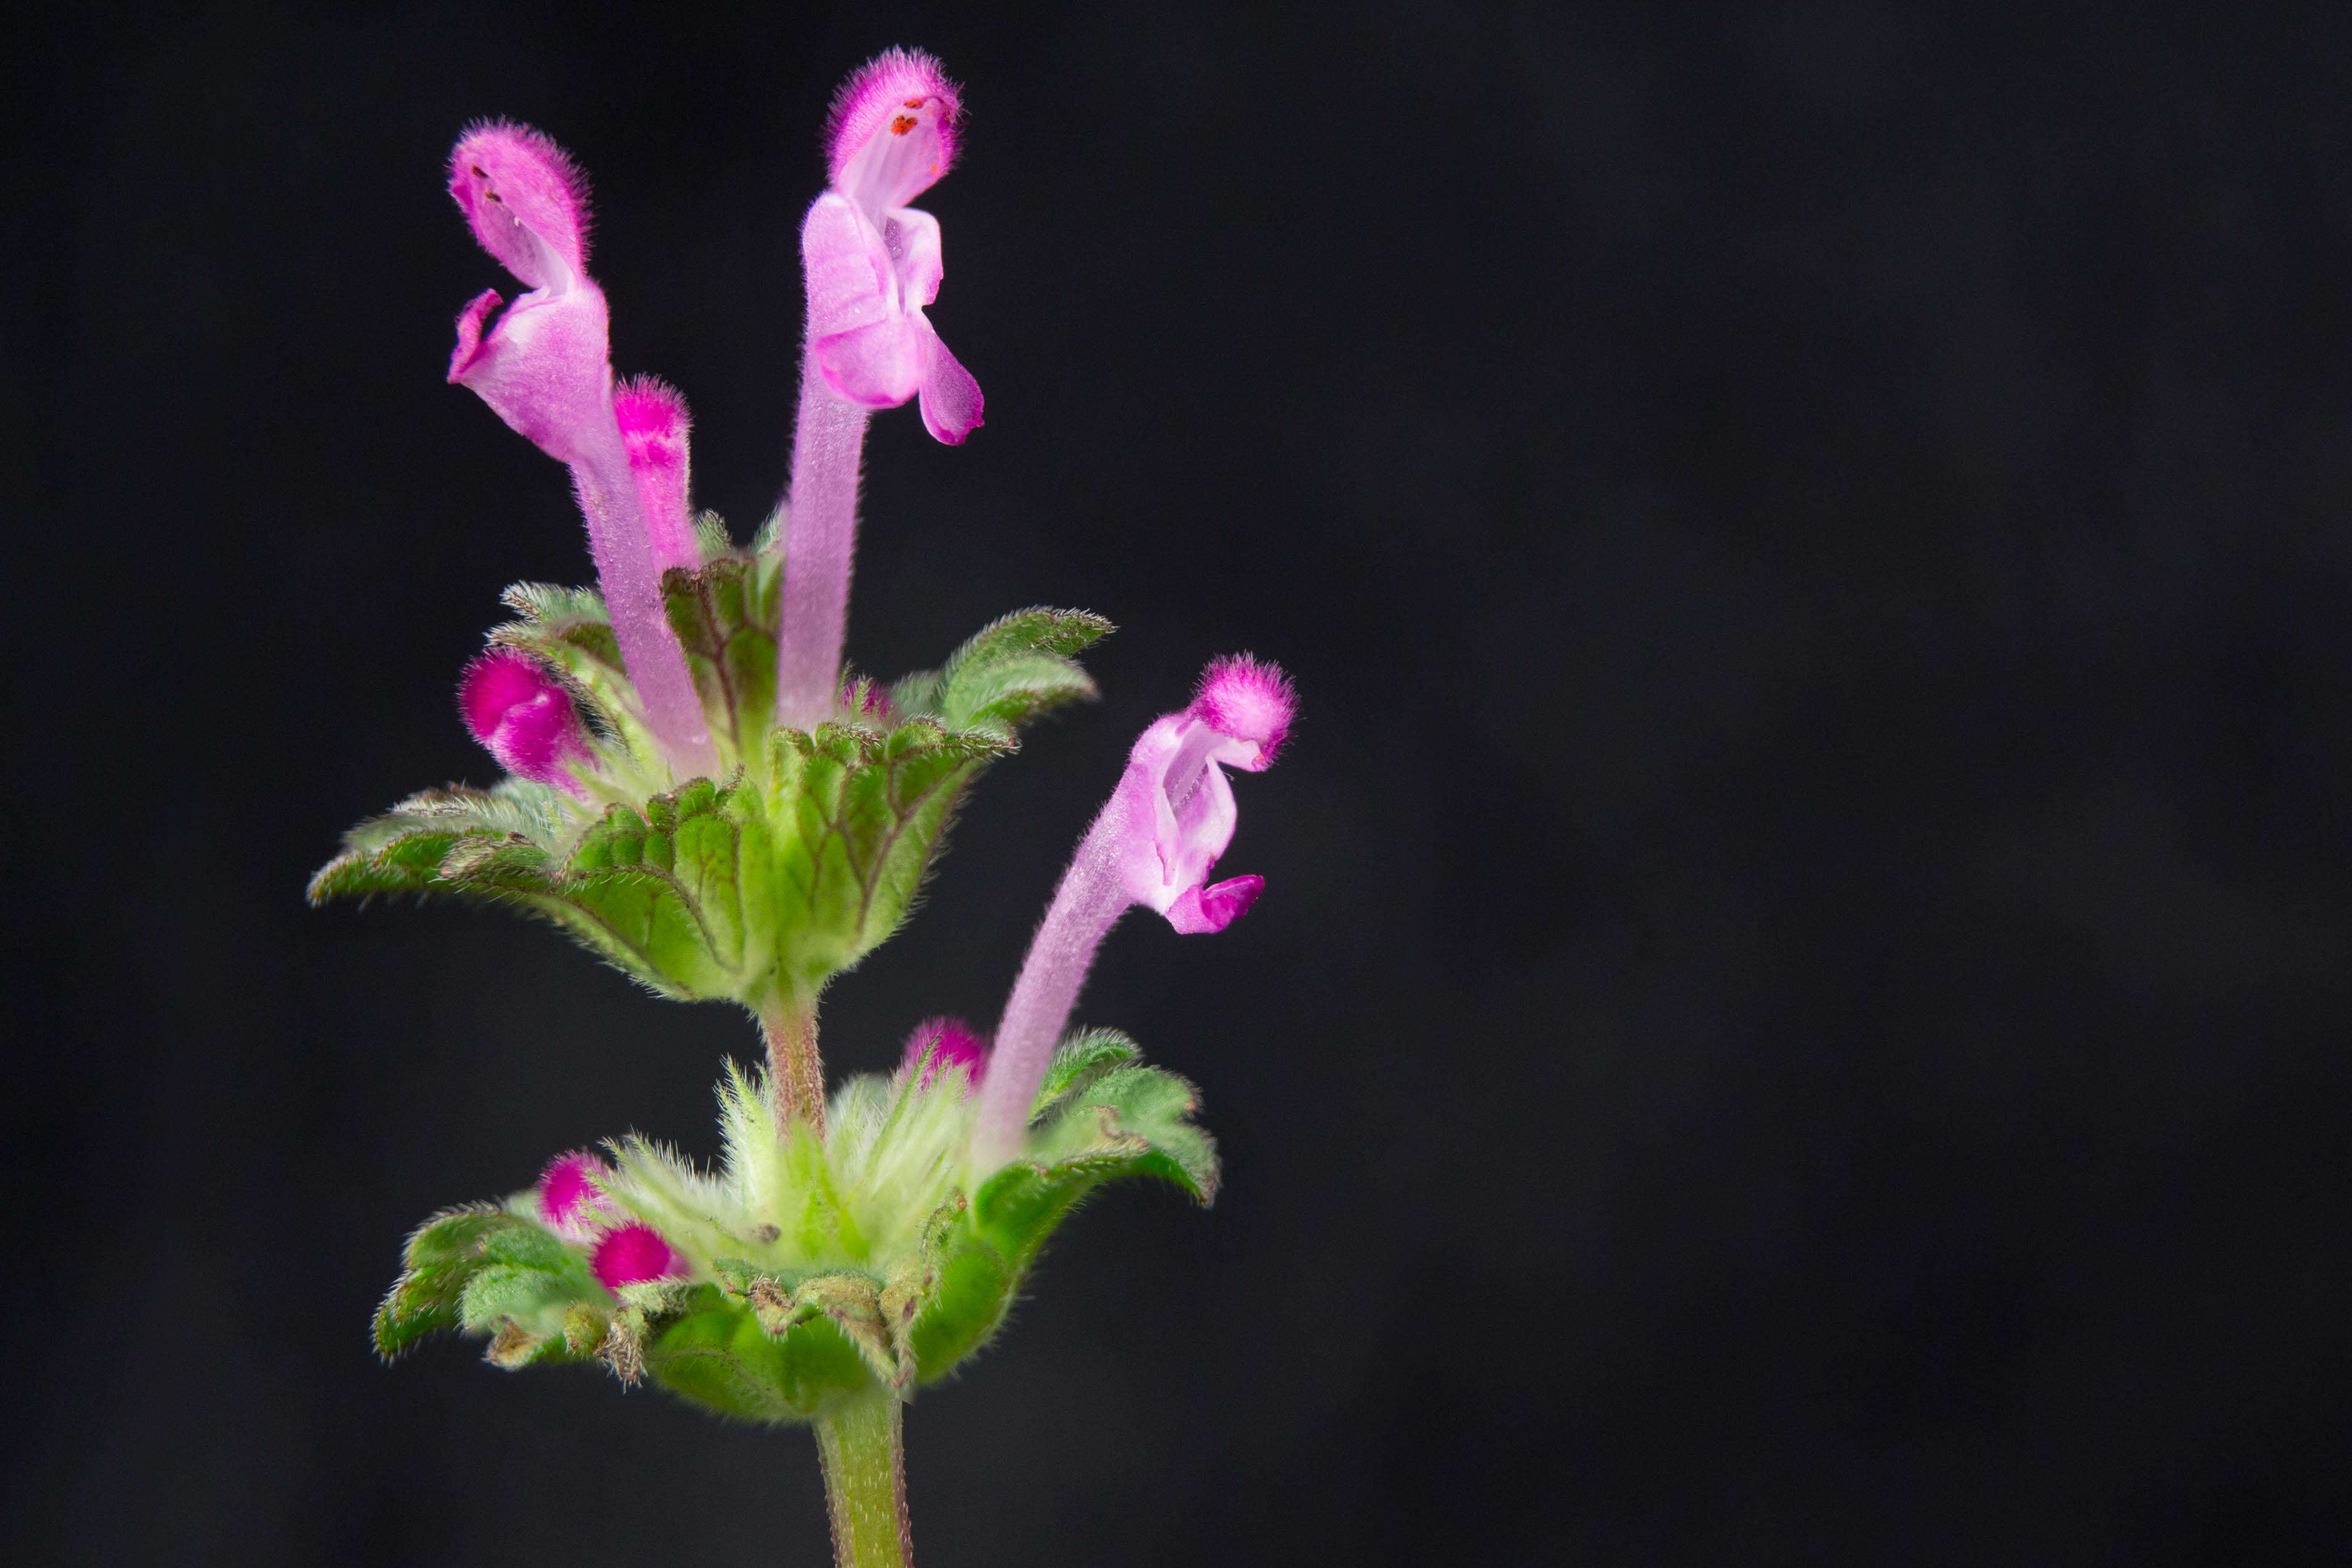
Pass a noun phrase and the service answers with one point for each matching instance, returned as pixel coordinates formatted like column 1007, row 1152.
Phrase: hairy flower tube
column 697, row 792
column 1154, row 843
column 872, row 263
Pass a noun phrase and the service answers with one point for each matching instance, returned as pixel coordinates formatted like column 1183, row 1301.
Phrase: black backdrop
column 1801, row 1009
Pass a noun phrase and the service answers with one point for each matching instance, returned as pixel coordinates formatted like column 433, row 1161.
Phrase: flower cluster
column 621, row 1251
column 699, row 791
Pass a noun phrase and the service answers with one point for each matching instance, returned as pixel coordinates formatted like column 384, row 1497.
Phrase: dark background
column 1801, row 1011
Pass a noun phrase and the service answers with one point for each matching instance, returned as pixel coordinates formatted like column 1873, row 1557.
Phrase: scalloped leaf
column 1016, row 669
column 1078, row 1060
column 984, row 1260
column 1003, row 695
column 569, row 624
column 1036, row 630
column 484, row 1269
column 697, row 897
column 719, row 1356
column 403, row 850
column 1127, row 1103
column 863, row 816
column 666, row 895
column 969, row 1295
column 440, row 1258
column 725, row 616
column 1108, row 1119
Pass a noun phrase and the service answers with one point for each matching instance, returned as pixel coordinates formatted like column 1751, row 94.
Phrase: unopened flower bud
column 633, row 1254
column 939, row 1043
column 571, row 1199
column 654, row 426
column 524, row 717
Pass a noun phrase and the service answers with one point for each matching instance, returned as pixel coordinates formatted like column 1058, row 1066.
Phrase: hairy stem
column 819, row 538
column 861, row 1447
column 795, row 1071
column 1088, row 902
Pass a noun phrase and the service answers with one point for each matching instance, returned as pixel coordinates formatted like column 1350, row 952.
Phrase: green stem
column 795, row 1071
column 862, row 1447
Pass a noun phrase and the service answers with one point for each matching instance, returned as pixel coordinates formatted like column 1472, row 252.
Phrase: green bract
column 760, row 883
column 816, row 1269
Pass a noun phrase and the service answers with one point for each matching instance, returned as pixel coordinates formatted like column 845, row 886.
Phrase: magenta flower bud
column 570, row 1200
column 633, row 1254
column 524, row 716
column 948, row 1042
column 869, row 703
column 545, row 366
column 1153, row 843
column 653, row 426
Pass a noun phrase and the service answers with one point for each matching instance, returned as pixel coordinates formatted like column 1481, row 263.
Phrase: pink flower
column 873, row 262
column 632, row 1254
column 571, row 1201
column 1177, row 816
column 872, row 265
column 523, row 715
column 948, row 1042
column 653, row 426
column 1154, row 843
column 543, row 366
column 1181, row 813
column 1175, row 809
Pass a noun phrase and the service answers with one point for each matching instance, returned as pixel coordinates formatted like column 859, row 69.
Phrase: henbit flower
column 570, row 1200
column 545, row 366
column 948, row 1042
column 653, row 426
column 633, row 1254
column 872, row 264
column 524, row 717
column 1153, row 843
